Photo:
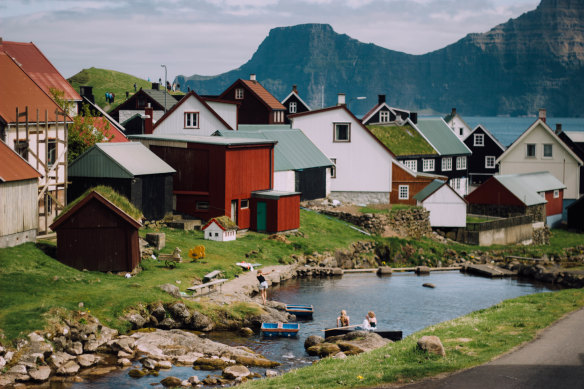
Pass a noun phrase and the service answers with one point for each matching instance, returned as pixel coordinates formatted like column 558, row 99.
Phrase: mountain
column 533, row 61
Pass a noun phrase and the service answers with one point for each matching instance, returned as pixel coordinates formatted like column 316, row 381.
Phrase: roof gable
column 258, row 91
column 428, row 190
column 223, row 222
column 441, row 137
column 13, row 167
column 527, row 186
column 297, row 96
column 131, row 104
column 480, row 128
column 40, row 69
column 378, row 107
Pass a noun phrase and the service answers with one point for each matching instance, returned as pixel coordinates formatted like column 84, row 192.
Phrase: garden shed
column 99, row 232
column 131, row 169
column 446, row 207
column 275, row 211
column 220, row 229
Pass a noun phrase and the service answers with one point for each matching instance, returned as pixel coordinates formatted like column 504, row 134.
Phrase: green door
column 261, row 216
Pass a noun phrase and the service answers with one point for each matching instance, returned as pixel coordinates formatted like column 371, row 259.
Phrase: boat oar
column 340, row 328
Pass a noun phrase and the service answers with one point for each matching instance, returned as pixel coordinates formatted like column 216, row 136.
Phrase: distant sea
column 508, row 129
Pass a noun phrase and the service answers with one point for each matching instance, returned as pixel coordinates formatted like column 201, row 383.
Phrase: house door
column 261, row 216
column 234, row 211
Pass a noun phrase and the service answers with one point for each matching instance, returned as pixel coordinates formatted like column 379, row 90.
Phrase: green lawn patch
column 402, row 140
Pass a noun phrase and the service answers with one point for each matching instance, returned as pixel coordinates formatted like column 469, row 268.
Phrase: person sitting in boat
column 370, row 322
column 343, row 319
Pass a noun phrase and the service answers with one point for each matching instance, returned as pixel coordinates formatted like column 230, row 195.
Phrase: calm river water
column 399, row 301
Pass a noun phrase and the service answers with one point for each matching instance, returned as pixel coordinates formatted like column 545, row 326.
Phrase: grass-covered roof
column 402, row 140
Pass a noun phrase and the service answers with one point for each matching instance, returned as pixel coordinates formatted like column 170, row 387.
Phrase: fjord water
column 399, row 301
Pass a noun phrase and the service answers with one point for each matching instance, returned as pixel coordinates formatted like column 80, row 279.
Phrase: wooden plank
column 211, row 275
column 208, row 284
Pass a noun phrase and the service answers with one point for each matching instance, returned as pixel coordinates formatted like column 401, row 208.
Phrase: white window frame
column 551, row 149
column 460, row 163
column 202, row 205
column 556, row 193
column 428, row 165
column 191, row 119
column 455, row 183
column 384, row 116
column 335, row 133
column 446, row 164
column 244, row 203
column 411, row 164
column 292, row 107
column 479, row 140
column 334, row 168
column 490, row 162
column 239, row 93
column 527, row 153
column 403, row 192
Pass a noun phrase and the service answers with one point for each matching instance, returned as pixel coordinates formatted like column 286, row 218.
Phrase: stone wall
column 360, row 197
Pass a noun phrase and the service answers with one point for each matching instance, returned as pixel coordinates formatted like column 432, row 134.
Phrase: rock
column 18, row 369
column 313, row 340
column 125, row 344
column 432, row 345
column 168, row 324
column 69, row 368
column 187, row 359
column 87, row 360
column 210, row 381
column 271, row 373
column 200, row 322
column 137, row 321
column 246, row 332
column 124, row 362
column 384, row 270
column 58, row 359
column 41, row 373
column 164, row 365
column 157, row 310
column 123, row 354
column 156, row 240
column 171, row 381
column 340, row 355
column 422, row 270
column 428, row 285
column 149, row 363
column 256, row 361
column 180, row 312
column 2, row 363
column 194, row 380
column 135, row 373
column 185, row 383
column 349, row 348
column 210, row 363
column 171, row 289
column 76, row 348
column 235, row 371
column 34, row 337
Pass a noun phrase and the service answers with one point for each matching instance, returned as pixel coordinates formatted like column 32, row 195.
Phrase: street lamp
column 356, row 98
column 164, row 66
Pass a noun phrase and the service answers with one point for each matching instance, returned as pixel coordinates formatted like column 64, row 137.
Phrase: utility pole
column 164, row 66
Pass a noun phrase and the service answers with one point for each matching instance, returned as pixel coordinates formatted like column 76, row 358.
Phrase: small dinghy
column 391, row 335
column 285, row 330
column 301, row 311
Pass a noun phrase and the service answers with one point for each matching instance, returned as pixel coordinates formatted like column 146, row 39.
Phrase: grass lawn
column 402, row 140
column 469, row 341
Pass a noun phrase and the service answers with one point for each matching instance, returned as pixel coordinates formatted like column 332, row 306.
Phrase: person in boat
column 263, row 285
column 343, row 319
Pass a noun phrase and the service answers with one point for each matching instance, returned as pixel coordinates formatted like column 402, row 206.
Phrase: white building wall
column 362, row 165
column 228, row 112
column 126, row 114
column 19, row 210
column 456, row 124
column 285, row 181
column 562, row 165
column 174, row 123
column 214, row 232
column 446, row 208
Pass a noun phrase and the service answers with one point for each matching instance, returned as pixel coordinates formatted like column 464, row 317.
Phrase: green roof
column 402, row 140
column 441, row 137
column 158, row 96
column 294, row 150
column 428, row 190
column 226, row 222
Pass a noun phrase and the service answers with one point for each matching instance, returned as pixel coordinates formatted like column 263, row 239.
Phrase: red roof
column 263, row 94
column 39, row 68
column 17, row 89
column 13, row 167
column 100, row 123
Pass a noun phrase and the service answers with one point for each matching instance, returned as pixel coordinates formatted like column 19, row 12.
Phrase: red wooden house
column 258, row 106
column 218, row 176
column 406, row 183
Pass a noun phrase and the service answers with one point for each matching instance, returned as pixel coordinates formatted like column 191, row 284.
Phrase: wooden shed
column 446, row 207
column 129, row 168
column 576, row 214
column 97, row 235
column 18, row 199
column 275, row 211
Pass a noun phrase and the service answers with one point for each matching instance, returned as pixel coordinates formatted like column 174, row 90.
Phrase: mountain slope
column 533, row 61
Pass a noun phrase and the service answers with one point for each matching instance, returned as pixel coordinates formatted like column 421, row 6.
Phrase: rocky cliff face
column 533, row 61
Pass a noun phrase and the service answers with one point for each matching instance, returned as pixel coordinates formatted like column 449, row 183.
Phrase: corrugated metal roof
column 429, row 189
column 118, row 160
column 527, row 186
column 13, row 167
column 272, row 194
column 17, row 89
column 441, row 137
column 158, row 96
column 39, row 68
column 263, row 94
column 294, row 150
column 211, row 140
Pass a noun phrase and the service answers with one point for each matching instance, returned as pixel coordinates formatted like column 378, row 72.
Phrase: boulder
column 200, row 322
column 157, row 310
column 125, row 343
column 40, row 373
column 256, row 361
column 87, row 360
column 349, row 348
column 432, row 345
column 18, row 369
column 210, row 364
column 124, row 362
column 135, row 373
column 271, row 373
column 137, row 321
column 164, row 365
column 156, row 240
column 2, row 362
column 194, row 380
column 180, row 312
column 168, row 324
column 235, row 371
column 246, row 332
column 34, row 337
column 58, row 359
column 171, row 289
column 340, row 355
column 422, row 270
column 75, row 348
column 313, row 340
column 149, row 363
column 428, row 285
column 69, row 368
column 187, row 359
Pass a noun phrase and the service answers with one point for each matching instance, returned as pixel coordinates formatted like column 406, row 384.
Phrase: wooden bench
column 210, row 285
column 209, row 276
column 170, row 260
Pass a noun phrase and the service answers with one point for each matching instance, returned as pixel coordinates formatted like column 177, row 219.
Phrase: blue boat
column 285, row 330
column 301, row 311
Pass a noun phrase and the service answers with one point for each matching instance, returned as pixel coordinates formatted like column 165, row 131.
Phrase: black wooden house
column 485, row 151
column 294, row 104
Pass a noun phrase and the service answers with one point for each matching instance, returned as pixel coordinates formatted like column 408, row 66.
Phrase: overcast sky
column 209, row 37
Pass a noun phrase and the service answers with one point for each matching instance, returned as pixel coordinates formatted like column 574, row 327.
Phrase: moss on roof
column 112, row 196
column 402, row 140
column 226, row 222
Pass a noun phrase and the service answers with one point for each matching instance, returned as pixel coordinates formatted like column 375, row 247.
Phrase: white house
column 362, row 164
column 220, row 229
column 193, row 115
column 540, row 149
column 446, row 207
column 458, row 125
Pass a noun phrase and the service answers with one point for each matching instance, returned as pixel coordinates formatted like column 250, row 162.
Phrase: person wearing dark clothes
column 263, row 285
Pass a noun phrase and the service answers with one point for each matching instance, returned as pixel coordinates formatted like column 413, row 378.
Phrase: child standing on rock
column 263, row 285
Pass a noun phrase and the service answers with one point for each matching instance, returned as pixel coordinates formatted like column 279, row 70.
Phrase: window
column 530, row 150
column 556, row 194
column 446, row 164
column 455, row 183
column 21, row 147
column 292, row 107
column 191, row 120
column 490, row 162
column 428, row 165
column 51, row 152
column 278, row 116
column 202, row 205
column 411, row 164
column 404, row 192
column 548, row 150
column 342, row 132
column 479, row 140
column 244, row 203
column 461, row 131
column 334, row 168
column 239, row 94
column 460, row 163
column 383, row 116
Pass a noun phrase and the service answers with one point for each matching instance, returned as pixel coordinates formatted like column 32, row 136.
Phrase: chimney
column 380, row 99
column 149, row 113
column 542, row 114
column 414, row 117
column 453, row 113
column 341, row 99
column 294, row 89
column 87, row 92
column 155, row 85
column 558, row 128
column 252, row 77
